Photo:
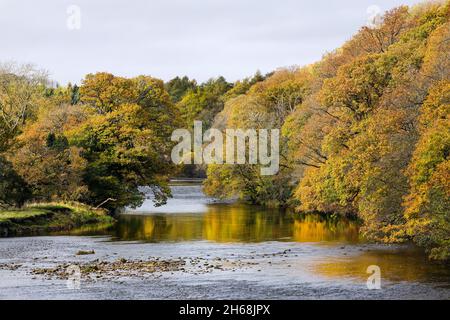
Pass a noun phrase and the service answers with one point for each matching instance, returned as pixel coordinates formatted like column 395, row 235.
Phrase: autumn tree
column 264, row 106
column 51, row 167
column 428, row 202
column 21, row 88
column 126, row 140
column 21, row 92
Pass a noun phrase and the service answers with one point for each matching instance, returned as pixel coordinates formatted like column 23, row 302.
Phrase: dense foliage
column 365, row 131
column 103, row 141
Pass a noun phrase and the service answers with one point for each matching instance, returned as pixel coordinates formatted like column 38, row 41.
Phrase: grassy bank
column 49, row 217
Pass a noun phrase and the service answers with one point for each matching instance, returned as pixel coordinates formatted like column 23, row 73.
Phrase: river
column 228, row 251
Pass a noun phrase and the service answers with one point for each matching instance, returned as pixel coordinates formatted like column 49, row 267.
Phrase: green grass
column 21, row 214
column 40, row 218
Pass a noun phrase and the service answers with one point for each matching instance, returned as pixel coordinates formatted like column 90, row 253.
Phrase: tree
column 104, row 92
column 178, row 87
column 428, row 202
column 379, row 38
column 265, row 106
column 21, row 90
column 14, row 191
column 204, row 103
column 126, row 141
column 124, row 152
column 43, row 158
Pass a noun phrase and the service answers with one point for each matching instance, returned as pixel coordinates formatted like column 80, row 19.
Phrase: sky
column 168, row 38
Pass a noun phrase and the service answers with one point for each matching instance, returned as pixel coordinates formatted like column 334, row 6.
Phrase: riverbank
column 37, row 219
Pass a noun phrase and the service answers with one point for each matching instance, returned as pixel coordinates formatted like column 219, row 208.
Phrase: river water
column 262, row 254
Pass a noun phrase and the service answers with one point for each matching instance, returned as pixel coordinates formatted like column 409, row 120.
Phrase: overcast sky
column 166, row 38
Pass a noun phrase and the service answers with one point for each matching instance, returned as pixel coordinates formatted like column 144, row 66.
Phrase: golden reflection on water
column 312, row 228
column 235, row 223
column 405, row 263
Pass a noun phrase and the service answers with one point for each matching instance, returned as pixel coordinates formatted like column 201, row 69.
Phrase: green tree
column 14, row 191
column 178, row 87
column 124, row 153
column 204, row 103
column 126, row 142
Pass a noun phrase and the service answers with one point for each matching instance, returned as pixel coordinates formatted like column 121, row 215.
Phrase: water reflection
column 235, row 223
column 315, row 228
column 399, row 263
